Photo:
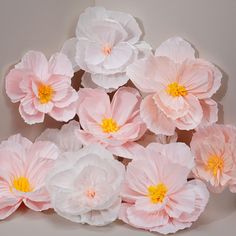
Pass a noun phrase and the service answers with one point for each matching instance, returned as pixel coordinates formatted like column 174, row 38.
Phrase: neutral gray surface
column 45, row 24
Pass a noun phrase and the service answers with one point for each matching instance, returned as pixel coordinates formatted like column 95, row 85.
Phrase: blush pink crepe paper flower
column 42, row 87
column 106, row 42
column 178, row 86
column 23, row 169
column 214, row 148
column 116, row 125
column 85, row 186
column 156, row 194
column 65, row 138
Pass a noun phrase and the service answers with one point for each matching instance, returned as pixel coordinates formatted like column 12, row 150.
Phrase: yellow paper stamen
column 107, row 50
column 214, row 164
column 157, row 193
column 176, row 90
column 22, row 184
column 109, row 125
column 45, row 93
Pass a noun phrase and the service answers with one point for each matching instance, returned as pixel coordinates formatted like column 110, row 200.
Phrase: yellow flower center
column 45, row 93
column 175, row 90
column 109, row 125
column 107, row 50
column 22, row 184
column 215, row 164
column 157, row 193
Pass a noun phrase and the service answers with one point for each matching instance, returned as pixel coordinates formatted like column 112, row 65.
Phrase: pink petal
column 125, row 103
column 194, row 116
column 94, row 54
column 35, row 62
column 37, row 206
column 177, row 49
column 43, row 107
column 31, row 119
column 210, row 111
column 154, row 118
column 13, row 80
column 59, row 64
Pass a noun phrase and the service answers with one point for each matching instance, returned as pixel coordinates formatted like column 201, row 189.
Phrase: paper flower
column 116, row 125
column 156, row 194
column 179, row 88
column 42, row 87
column 85, row 186
column 214, row 148
column 106, row 42
column 65, row 138
column 23, row 169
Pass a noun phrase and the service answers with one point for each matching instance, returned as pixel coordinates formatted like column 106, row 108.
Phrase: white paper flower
column 64, row 138
column 106, row 43
column 85, row 186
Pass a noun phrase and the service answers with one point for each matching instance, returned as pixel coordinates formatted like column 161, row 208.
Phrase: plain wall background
column 44, row 25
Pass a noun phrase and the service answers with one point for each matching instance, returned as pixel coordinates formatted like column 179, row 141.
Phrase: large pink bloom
column 214, row 148
column 42, row 87
column 23, row 169
column 179, row 88
column 156, row 194
column 115, row 125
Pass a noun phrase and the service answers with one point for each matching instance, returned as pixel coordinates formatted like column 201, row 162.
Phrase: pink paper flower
column 42, row 87
column 115, row 125
column 156, row 194
column 85, row 186
column 179, row 88
column 214, row 148
column 23, row 169
column 106, row 43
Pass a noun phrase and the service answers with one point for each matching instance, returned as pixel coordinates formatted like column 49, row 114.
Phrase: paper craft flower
column 65, row 138
column 106, row 42
column 116, row 125
column 23, row 169
column 85, row 186
column 42, row 87
column 179, row 88
column 214, row 148
column 156, row 194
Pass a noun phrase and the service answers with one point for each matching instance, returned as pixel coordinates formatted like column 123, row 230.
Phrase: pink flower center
column 107, row 50
column 22, row 184
column 90, row 193
column 175, row 90
column 45, row 93
column 109, row 125
column 215, row 164
column 157, row 193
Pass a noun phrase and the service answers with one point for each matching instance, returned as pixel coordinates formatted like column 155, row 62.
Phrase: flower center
column 109, row 125
column 45, row 93
column 107, row 50
column 175, row 90
column 215, row 164
column 90, row 193
column 22, row 184
column 157, row 193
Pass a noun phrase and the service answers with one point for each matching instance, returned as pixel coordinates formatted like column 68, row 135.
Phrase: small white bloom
column 106, row 43
column 85, row 186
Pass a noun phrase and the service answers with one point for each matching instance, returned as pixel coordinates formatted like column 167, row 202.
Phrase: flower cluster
column 118, row 157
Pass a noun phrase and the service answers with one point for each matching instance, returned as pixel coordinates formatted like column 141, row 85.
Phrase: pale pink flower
column 214, row 148
column 116, row 125
column 42, row 87
column 23, row 170
column 178, row 86
column 156, row 194
column 85, row 186
column 106, row 43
